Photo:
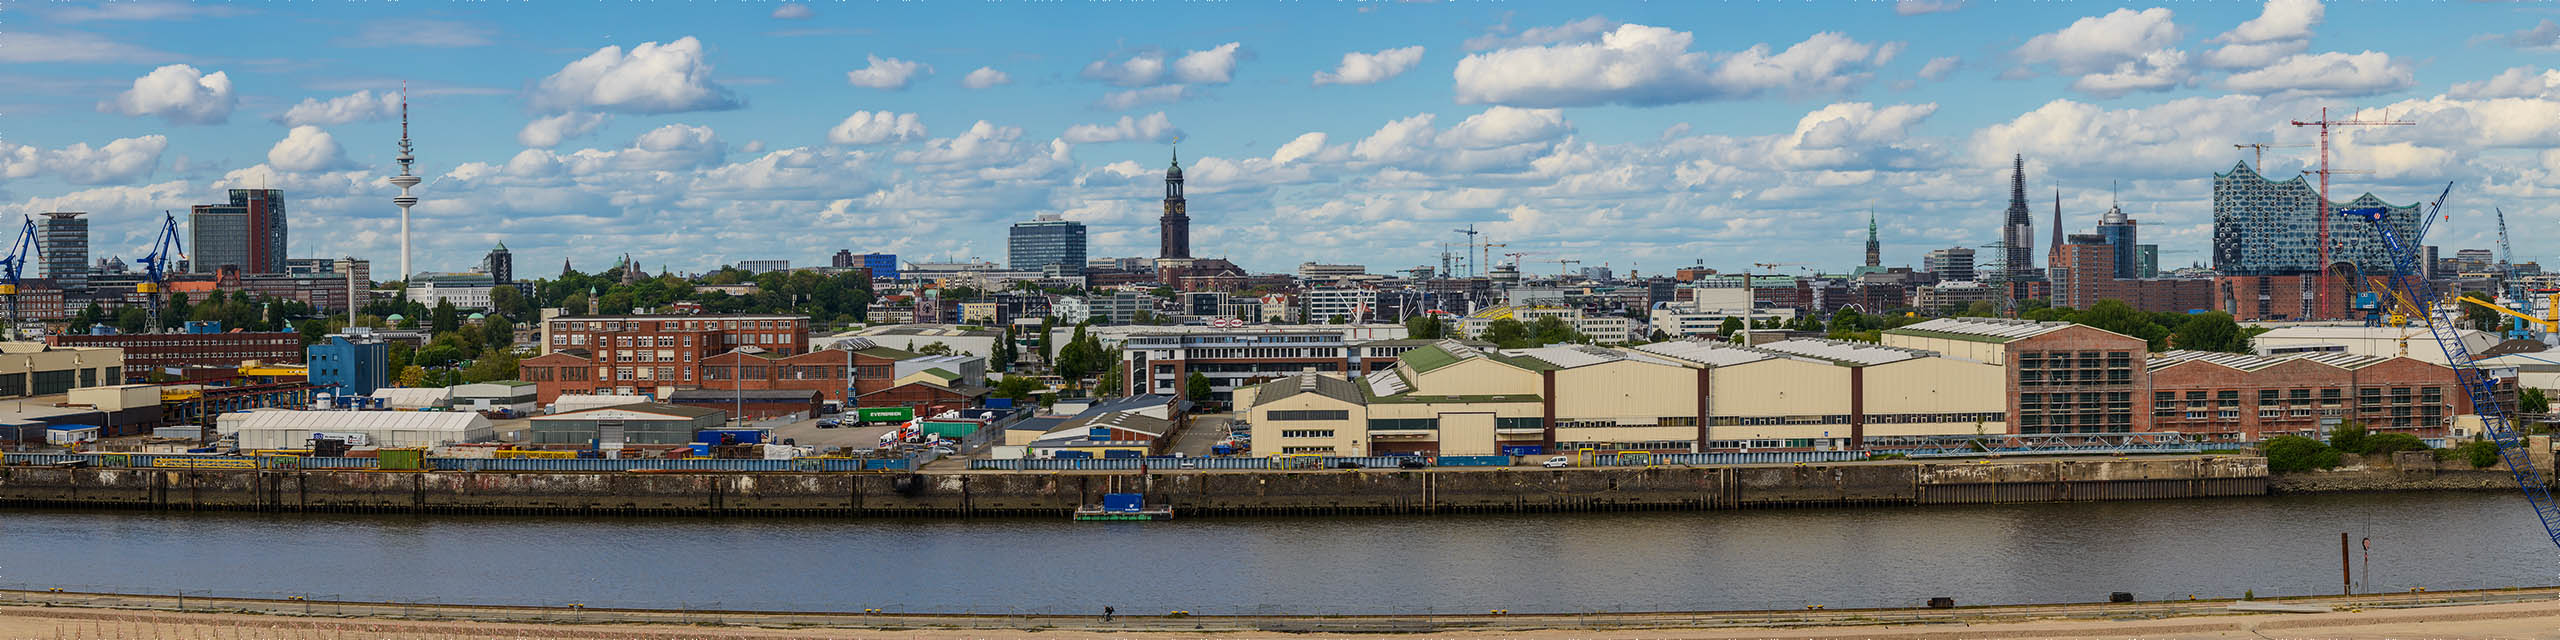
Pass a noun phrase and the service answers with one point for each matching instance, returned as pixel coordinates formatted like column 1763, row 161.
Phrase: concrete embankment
column 2402, row 471
column 1054, row 493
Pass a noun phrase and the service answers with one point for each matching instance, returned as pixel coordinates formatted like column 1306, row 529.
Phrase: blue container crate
column 1124, row 502
column 1524, row 450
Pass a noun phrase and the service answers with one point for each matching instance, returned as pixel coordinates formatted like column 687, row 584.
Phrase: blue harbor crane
column 2475, row 382
column 156, row 265
column 11, row 265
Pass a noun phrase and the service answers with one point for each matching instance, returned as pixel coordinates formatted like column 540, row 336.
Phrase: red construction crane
column 2320, row 297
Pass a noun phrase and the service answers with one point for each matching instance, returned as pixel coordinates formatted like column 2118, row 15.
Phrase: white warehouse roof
column 293, row 429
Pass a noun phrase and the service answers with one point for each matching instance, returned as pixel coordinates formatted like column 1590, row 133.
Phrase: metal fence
column 139, row 460
column 1693, row 459
column 1473, row 461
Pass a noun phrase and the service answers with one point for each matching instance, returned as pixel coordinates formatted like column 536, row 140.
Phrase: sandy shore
column 2534, row 619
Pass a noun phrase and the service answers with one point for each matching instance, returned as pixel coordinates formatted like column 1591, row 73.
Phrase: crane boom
column 2467, row 373
column 2515, row 288
column 11, row 266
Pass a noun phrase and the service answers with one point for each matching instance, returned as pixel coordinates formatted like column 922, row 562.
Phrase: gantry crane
column 155, row 266
column 2320, row 296
column 2475, row 382
column 10, row 266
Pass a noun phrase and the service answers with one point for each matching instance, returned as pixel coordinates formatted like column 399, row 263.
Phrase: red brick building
column 2267, row 298
column 649, row 354
column 2061, row 377
column 2235, row 397
column 147, row 352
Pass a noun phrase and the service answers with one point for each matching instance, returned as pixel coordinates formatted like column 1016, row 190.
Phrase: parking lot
column 1205, row 431
column 807, row 434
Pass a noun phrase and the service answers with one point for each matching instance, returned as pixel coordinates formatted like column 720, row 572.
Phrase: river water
column 1780, row 559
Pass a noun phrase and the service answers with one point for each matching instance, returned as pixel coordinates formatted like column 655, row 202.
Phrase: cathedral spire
column 1875, row 249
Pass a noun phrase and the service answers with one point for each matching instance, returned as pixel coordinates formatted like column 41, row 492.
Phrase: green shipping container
column 949, row 429
column 885, row 414
column 402, row 459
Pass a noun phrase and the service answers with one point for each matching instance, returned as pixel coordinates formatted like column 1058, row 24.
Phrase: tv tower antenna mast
column 405, row 180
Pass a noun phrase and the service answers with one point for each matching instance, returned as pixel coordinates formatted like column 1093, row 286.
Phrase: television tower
column 405, row 180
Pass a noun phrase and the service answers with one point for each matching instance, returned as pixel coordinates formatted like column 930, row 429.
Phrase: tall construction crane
column 1472, row 266
column 155, row 266
column 9, row 268
column 2475, row 382
column 1564, row 266
column 2320, row 296
column 2260, row 161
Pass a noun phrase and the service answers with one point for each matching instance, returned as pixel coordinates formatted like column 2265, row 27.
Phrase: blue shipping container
column 1123, row 502
column 1074, row 454
column 1524, row 450
column 999, row 403
column 1119, row 453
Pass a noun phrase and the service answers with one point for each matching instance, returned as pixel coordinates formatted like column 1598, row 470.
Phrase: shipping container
column 885, row 414
column 402, row 459
column 1124, row 502
column 729, row 436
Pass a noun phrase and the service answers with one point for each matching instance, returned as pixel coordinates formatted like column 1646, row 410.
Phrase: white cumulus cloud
column 2519, row 82
column 1918, row 7
column 124, row 161
column 551, row 131
column 1134, row 98
column 1940, row 68
column 2097, row 44
column 2282, row 28
column 307, row 148
column 651, row 78
column 1153, row 128
column 177, row 93
column 985, row 77
column 2327, row 74
column 875, row 127
column 794, row 11
column 1371, row 68
column 361, row 106
column 1646, row 65
column 887, row 73
column 1214, row 65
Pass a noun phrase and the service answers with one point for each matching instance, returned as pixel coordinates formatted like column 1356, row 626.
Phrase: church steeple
column 1875, row 248
column 1175, row 226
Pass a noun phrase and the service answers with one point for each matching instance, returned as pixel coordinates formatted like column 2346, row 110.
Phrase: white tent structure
column 569, row 402
column 293, row 429
column 414, row 398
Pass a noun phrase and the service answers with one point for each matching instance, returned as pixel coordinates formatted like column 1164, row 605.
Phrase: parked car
column 1346, row 464
column 1188, row 463
column 1559, row 462
column 1413, row 463
column 829, row 423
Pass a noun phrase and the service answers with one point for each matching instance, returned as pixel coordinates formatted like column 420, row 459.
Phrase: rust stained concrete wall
column 1194, row 492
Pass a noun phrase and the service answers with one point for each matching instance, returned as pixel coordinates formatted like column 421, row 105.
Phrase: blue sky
column 1641, row 135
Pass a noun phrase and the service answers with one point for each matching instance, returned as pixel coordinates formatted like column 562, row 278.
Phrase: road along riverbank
column 2483, row 613
column 1189, row 492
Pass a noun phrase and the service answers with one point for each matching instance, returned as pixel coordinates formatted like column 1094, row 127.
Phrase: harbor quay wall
column 1189, row 492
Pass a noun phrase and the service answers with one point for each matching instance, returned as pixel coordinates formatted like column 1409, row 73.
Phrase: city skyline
column 1361, row 133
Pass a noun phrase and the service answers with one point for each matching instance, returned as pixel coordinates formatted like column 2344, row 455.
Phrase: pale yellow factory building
column 1308, row 413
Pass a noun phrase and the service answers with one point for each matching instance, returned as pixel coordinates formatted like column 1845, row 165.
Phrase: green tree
column 1730, row 325
column 178, row 311
column 1340, row 319
column 1979, row 309
column 492, row 365
column 1552, row 330
column 937, row 348
column 2210, row 331
column 497, row 332
column 2293, row 454
column 509, row 303
column 2116, row 316
column 1196, row 387
column 446, row 316
column 1425, row 327
column 1508, row 333
column 399, row 355
column 437, row 355
column 2532, row 401
column 2349, row 436
column 411, row 376
column 132, row 320
column 2387, row 443
column 91, row 315
column 1113, row 380
column 1019, row 388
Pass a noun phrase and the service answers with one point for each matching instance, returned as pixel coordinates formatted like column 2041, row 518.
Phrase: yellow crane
column 2547, row 325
